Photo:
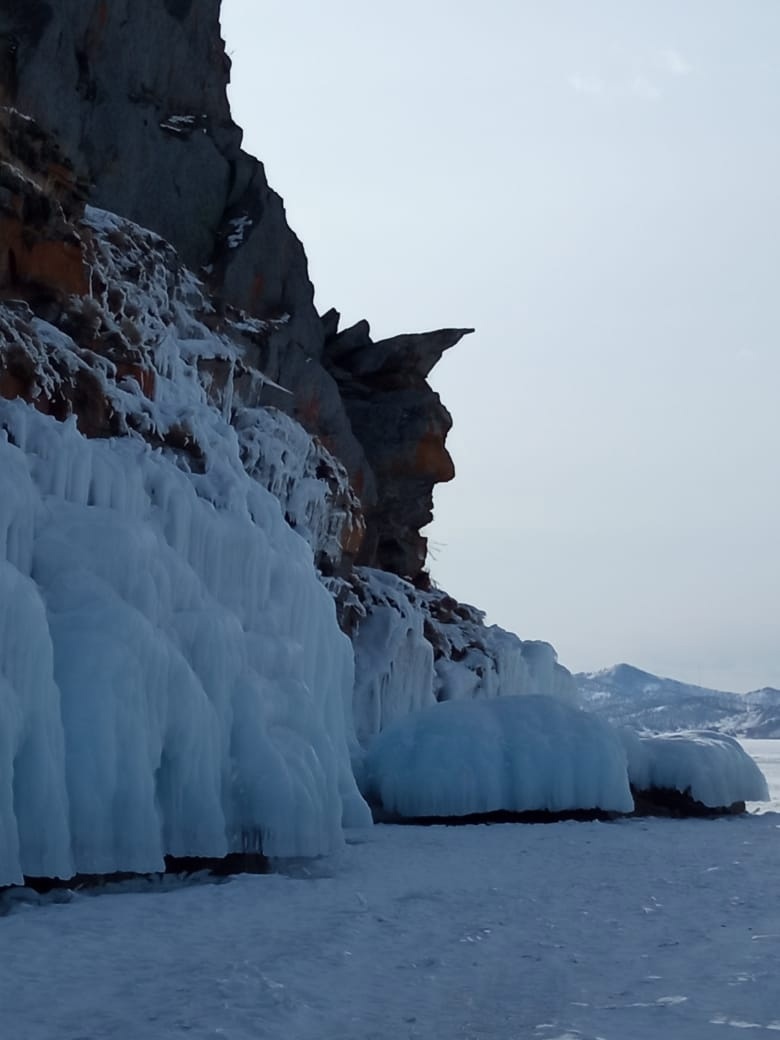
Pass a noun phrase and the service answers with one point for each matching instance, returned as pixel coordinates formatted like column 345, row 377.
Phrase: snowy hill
column 628, row 696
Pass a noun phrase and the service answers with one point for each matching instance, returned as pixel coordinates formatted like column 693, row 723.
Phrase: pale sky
column 595, row 186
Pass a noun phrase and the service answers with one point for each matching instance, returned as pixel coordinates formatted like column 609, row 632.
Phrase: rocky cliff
column 159, row 71
column 123, row 106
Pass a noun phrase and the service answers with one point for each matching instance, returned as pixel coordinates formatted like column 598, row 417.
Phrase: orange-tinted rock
column 352, row 539
column 12, row 386
column 49, row 263
column 39, row 246
column 145, row 377
column 402, row 426
column 53, row 382
column 433, row 460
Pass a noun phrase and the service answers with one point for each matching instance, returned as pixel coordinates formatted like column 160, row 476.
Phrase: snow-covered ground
column 634, row 930
column 767, row 754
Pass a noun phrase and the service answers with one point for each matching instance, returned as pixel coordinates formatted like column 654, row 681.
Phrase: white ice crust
column 712, row 767
column 513, row 753
column 172, row 676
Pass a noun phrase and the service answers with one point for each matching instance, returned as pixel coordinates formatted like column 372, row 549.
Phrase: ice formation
column 514, row 753
column 414, row 648
column 311, row 485
column 394, row 670
column 712, row 768
column 172, row 677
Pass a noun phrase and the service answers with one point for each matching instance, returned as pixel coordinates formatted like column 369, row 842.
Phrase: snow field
column 631, row 930
column 172, row 677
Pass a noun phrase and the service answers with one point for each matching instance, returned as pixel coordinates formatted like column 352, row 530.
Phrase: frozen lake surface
column 634, row 930
column 767, row 754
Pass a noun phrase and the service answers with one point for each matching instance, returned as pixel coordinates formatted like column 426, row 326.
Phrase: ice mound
column 712, row 768
column 172, row 676
column 514, row 753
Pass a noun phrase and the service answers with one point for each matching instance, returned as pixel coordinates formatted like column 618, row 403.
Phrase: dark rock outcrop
column 669, row 802
column 402, row 426
column 661, row 802
column 85, row 68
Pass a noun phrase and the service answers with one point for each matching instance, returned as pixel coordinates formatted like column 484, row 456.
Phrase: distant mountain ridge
column 628, row 696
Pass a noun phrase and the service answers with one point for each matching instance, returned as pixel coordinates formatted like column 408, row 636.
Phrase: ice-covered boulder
column 516, row 754
column 711, row 769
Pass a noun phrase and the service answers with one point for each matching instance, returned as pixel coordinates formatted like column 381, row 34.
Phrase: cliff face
column 135, row 93
column 131, row 115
